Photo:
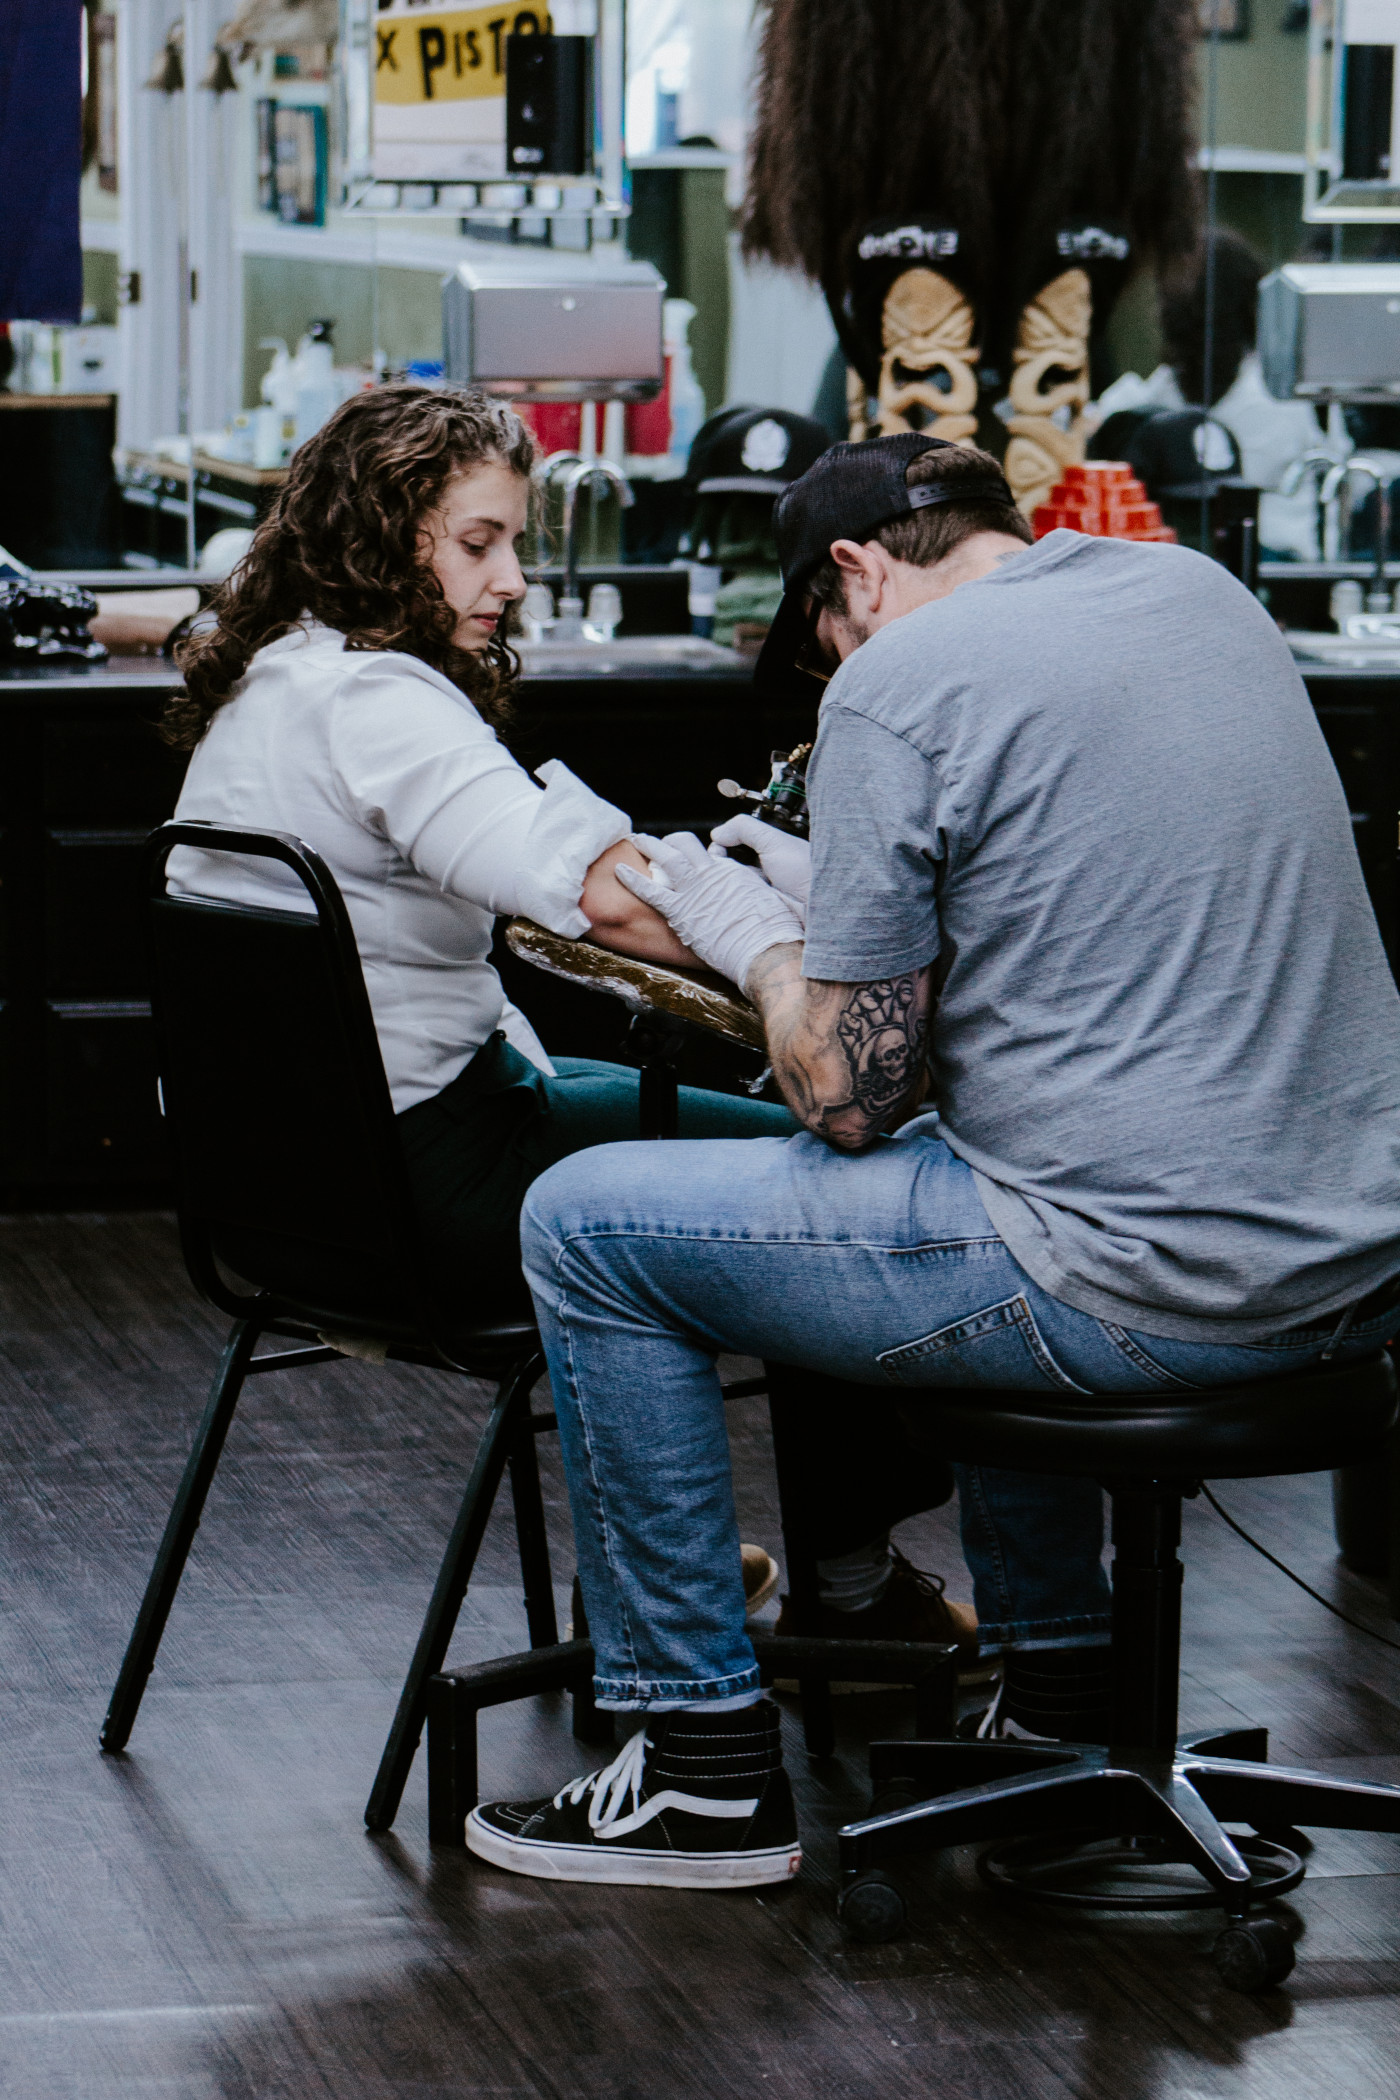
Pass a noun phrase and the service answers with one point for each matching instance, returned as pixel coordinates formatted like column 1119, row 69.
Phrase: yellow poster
column 451, row 55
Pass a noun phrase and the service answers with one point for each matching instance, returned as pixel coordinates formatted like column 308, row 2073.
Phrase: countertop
column 589, row 664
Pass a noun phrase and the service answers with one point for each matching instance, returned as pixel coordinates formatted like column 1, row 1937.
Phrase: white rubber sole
column 636, row 1869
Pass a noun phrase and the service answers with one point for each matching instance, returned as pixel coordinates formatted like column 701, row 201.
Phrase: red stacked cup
column 1101, row 496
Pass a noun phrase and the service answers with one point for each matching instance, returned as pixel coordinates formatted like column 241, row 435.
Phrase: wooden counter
column 84, row 778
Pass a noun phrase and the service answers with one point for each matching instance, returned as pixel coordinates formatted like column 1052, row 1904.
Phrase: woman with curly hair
column 350, row 692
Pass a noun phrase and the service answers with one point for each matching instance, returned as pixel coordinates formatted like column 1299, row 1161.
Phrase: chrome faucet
column 1317, row 462
column 572, row 479
column 1339, row 482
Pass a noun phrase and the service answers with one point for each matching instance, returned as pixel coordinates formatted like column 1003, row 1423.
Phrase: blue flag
column 41, row 260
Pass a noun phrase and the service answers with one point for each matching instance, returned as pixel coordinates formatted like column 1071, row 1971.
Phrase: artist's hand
column 725, row 912
column 786, row 861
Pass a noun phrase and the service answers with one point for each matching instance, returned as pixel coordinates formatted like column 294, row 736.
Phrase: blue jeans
column 644, row 1260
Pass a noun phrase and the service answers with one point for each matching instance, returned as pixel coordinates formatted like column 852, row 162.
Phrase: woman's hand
column 619, row 920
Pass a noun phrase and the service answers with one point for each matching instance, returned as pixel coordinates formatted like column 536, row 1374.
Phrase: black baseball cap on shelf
column 753, row 451
column 848, row 494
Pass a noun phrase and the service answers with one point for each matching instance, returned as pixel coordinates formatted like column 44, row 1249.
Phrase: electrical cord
column 1283, row 1569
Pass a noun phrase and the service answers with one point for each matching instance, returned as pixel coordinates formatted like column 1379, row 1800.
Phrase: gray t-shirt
column 1091, row 791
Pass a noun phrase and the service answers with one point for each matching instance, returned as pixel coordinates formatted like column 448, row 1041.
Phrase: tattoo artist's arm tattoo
column 850, row 1058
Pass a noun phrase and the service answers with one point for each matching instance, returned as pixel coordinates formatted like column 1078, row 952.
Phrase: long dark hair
column 1007, row 116
column 342, row 544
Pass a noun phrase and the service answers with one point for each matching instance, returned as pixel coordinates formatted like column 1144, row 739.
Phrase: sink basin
column 1349, row 652
column 635, row 656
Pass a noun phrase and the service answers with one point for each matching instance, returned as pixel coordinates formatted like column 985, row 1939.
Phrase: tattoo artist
column 1080, row 855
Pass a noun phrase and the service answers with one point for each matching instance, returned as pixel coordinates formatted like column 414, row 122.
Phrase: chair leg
column 1272, row 1796
column 509, row 1418
column 180, row 1528
column 532, row 1539
column 818, row 1722
column 1073, row 1793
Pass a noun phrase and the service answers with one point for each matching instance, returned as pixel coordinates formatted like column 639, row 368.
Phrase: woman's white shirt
column 428, row 824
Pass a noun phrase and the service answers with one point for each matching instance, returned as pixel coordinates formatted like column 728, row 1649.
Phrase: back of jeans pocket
column 998, row 1346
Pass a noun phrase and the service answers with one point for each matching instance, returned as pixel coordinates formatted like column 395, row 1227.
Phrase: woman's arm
column 619, row 920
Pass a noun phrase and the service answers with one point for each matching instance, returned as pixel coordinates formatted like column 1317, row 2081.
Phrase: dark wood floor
column 206, row 1916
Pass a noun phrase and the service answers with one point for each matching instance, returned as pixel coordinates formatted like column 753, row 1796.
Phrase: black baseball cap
column 754, row 451
column 850, row 492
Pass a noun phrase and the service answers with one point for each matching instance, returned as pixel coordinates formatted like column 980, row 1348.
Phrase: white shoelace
column 610, row 1785
column 987, row 1728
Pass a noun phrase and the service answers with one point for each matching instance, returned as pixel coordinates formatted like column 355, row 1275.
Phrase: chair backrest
column 290, row 1171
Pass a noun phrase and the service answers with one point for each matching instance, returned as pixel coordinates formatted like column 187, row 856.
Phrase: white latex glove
column 786, row 861
column 723, row 911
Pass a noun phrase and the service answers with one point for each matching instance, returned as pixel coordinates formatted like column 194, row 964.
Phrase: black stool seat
column 1307, row 1424
column 1147, row 1799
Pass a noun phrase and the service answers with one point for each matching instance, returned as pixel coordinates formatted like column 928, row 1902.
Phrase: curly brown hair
column 342, row 544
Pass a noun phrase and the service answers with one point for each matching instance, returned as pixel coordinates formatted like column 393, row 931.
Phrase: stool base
column 956, row 1792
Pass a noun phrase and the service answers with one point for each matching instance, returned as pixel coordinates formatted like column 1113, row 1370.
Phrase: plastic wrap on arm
column 418, row 764
column 533, row 859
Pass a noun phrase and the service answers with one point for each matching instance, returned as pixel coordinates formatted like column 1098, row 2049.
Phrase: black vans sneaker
column 696, row 1800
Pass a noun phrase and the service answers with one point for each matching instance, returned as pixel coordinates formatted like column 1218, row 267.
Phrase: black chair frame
column 412, row 1327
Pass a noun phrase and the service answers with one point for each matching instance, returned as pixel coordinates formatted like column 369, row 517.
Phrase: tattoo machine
column 783, row 803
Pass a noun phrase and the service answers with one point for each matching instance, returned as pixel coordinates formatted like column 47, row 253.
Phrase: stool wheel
column 871, row 1908
column 1251, row 1954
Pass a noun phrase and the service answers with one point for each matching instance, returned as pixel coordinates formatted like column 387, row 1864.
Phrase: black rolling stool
column 1078, row 1824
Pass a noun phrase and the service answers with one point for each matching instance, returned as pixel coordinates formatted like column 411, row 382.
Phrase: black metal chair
column 297, row 1221
column 1163, row 1800
column 290, row 1176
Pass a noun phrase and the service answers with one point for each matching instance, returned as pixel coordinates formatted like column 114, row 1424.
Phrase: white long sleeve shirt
column 428, row 824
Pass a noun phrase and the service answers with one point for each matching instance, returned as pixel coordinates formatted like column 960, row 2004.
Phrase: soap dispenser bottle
column 317, row 391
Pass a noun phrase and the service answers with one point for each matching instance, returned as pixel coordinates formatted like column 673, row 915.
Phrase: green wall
column 1261, row 84
column 283, row 296
column 100, row 283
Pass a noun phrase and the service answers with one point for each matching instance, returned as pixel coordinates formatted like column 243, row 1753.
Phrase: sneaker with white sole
column 694, row 1800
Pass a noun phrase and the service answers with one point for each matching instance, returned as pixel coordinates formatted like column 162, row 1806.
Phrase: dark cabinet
column 94, row 938
column 102, row 1121
column 84, row 778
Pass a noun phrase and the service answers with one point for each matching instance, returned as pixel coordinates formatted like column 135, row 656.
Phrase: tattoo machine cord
column 1274, row 1561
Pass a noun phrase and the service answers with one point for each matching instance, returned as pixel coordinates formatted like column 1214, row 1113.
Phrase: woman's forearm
column 619, row 920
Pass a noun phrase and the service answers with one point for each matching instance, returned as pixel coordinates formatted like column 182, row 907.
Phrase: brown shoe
column 760, row 1577
column 912, row 1608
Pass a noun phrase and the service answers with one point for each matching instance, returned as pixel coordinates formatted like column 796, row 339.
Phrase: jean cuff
column 1089, row 1630
column 616, row 1695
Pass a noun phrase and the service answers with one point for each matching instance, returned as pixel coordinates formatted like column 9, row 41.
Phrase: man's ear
column 859, row 564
